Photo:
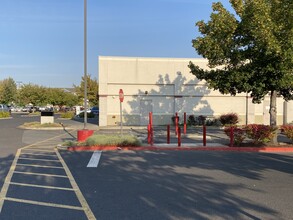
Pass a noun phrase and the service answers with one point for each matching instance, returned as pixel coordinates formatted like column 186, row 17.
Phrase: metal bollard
column 179, row 137
column 204, row 135
column 231, row 136
column 168, row 134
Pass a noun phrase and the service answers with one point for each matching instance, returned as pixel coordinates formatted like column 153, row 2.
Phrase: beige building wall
column 165, row 86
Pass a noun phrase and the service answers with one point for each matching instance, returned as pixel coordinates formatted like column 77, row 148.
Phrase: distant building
column 69, row 90
column 165, row 86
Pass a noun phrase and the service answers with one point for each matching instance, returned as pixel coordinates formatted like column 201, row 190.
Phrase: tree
column 92, row 90
column 250, row 52
column 32, row 94
column 57, row 96
column 7, row 91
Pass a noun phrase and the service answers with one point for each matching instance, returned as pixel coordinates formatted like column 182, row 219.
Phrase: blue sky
column 41, row 41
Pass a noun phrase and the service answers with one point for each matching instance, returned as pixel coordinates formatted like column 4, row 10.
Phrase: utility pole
column 85, row 64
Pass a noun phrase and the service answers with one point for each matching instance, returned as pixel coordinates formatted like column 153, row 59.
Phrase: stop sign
column 121, row 95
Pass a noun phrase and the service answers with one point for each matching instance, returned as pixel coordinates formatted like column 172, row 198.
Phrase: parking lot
column 138, row 185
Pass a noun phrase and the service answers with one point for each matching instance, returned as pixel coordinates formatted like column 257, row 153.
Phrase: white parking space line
column 36, row 150
column 95, row 159
column 40, row 174
column 87, row 210
column 47, row 155
column 33, row 165
column 28, row 158
column 41, row 186
column 43, row 203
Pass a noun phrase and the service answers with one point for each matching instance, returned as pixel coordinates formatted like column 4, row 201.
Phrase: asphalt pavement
column 43, row 182
column 185, row 185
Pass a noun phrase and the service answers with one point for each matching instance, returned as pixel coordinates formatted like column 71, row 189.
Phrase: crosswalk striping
column 41, row 186
column 25, row 158
column 43, row 203
column 40, row 174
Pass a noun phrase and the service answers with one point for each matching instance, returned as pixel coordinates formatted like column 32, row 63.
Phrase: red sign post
column 121, row 98
column 121, row 95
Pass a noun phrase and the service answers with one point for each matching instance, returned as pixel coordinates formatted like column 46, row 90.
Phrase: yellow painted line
column 49, row 151
column 33, row 165
column 41, row 186
column 46, row 155
column 40, row 174
column 83, row 202
column 27, row 158
column 8, row 179
column 43, row 203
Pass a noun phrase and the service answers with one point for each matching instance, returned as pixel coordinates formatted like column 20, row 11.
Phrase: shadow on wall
column 167, row 97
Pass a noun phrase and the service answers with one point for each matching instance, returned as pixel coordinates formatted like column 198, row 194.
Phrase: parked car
column 15, row 109
column 27, row 109
column 95, row 110
column 4, row 108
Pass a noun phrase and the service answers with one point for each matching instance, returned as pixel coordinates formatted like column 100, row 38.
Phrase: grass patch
column 69, row 114
column 37, row 124
column 108, row 140
column 35, row 113
column 4, row 114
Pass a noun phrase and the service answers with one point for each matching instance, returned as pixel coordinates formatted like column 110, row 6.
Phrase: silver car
column 4, row 108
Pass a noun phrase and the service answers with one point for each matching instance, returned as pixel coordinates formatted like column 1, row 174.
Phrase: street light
column 85, row 64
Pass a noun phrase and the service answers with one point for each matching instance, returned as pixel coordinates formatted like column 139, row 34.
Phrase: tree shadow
column 167, row 97
column 179, row 185
column 5, row 163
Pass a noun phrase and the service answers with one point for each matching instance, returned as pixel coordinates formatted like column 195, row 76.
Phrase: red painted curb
column 154, row 148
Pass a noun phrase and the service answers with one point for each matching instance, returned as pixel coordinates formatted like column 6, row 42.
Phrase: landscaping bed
column 38, row 125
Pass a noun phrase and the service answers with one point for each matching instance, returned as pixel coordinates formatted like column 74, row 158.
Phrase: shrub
column 202, row 119
column 239, row 134
column 229, row 119
column 192, row 120
column 213, row 122
column 288, row 131
column 173, row 119
column 69, row 114
column 104, row 140
column 4, row 114
column 260, row 133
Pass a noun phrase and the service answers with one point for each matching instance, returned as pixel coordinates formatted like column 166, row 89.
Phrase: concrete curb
column 288, row 148
column 6, row 118
column 46, row 129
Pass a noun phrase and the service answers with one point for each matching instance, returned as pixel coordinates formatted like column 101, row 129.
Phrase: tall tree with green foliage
column 57, row 96
column 251, row 51
column 32, row 94
column 8, row 91
column 92, row 90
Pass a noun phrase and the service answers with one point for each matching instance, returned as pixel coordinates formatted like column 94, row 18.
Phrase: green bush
column 199, row 120
column 69, row 114
column 229, row 119
column 117, row 140
column 4, row 114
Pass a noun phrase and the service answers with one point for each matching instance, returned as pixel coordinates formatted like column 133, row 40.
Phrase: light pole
column 85, row 64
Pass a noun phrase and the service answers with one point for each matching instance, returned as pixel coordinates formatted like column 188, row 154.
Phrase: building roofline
column 151, row 58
